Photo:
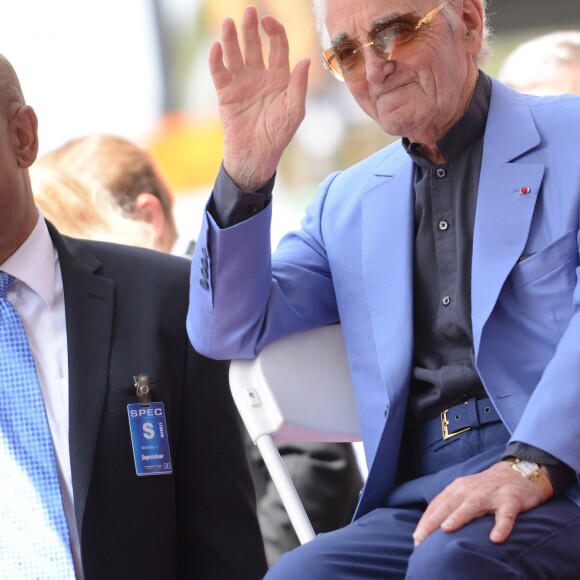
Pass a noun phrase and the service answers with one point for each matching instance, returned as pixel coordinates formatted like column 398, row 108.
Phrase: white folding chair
column 297, row 389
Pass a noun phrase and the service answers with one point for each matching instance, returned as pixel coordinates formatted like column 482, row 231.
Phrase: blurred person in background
column 129, row 173
column 449, row 257
column 82, row 212
column 545, row 65
column 326, row 475
column 122, row 456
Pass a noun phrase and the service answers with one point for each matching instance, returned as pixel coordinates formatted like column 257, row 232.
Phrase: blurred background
column 138, row 69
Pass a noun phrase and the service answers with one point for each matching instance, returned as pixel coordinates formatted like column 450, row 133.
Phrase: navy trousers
column 545, row 542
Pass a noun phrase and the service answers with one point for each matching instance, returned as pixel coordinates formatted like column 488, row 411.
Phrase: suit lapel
column 388, row 265
column 505, row 203
column 89, row 316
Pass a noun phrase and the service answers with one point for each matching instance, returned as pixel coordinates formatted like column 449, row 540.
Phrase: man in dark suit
column 326, row 475
column 97, row 316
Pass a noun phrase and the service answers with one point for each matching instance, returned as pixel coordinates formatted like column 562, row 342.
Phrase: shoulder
column 136, row 259
column 558, row 116
column 387, row 161
column 144, row 274
column 126, row 260
column 550, row 110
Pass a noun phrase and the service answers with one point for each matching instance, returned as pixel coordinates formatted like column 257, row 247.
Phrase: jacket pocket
column 545, row 262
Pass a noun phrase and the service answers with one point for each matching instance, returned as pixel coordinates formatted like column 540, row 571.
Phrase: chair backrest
column 298, row 389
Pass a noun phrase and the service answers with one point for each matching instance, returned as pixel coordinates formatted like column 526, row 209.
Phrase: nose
column 377, row 67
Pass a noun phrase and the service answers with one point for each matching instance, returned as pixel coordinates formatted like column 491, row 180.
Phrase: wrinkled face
column 419, row 91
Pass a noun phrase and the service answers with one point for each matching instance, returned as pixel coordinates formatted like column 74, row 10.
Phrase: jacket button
column 204, row 283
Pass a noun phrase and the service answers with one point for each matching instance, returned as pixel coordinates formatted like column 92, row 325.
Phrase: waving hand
column 261, row 106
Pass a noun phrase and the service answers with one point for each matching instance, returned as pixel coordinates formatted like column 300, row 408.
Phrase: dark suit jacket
column 125, row 315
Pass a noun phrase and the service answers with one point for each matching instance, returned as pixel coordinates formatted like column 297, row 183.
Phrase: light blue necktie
column 34, row 535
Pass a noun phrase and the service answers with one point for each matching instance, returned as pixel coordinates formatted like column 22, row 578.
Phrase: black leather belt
column 472, row 414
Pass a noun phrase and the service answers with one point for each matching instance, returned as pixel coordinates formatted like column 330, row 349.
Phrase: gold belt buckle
column 445, row 427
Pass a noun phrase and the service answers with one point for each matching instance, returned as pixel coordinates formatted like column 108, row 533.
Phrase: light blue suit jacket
column 353, row 261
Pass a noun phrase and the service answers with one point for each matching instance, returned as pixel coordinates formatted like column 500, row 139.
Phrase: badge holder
column 148, row 432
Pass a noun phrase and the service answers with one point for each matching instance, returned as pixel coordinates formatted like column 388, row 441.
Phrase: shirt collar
column 33, row 263
column 469, row 129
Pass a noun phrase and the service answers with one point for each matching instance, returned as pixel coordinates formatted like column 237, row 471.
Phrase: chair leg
column 286, row 489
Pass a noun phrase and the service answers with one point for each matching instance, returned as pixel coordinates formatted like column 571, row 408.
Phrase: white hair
column 547, row 64
column 319, row 10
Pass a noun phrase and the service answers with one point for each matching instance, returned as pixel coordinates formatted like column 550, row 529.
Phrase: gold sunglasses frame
column 328, row 54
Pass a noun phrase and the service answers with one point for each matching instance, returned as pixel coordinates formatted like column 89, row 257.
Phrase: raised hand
column 498, row 490
column 261, row 107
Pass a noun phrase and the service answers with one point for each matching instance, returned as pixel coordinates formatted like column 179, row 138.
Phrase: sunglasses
column 402, row 34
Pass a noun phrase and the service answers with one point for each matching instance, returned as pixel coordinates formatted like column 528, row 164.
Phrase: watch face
column 527, row 468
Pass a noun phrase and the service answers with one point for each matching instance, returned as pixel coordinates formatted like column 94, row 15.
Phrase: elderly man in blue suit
column 449, row 257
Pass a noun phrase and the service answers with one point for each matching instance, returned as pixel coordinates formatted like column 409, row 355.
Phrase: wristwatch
column 534, row 473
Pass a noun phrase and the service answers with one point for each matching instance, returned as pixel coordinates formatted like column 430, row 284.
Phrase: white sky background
column 85, row 66
column 92, row 66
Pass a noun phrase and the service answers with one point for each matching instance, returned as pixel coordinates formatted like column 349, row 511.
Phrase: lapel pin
column 524, row 190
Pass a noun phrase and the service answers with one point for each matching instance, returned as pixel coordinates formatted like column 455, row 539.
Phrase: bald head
column 18, row 150
column 10, row 89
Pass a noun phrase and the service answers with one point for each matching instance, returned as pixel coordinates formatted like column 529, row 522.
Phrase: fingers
column 231, row 54
column 451, row 518
column 279, row 47
column 498, row 490
column 505, row 518
column 298, row 87
column 219, row 73
column 435, row 514
column 252, row 41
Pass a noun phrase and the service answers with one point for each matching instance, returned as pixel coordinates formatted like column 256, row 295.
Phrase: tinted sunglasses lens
column 345, row 60
column 404, row 30
column 331, row 64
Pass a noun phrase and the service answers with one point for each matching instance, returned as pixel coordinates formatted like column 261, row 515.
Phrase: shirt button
column 443, row 225
column 441, row 173
column 446, row 301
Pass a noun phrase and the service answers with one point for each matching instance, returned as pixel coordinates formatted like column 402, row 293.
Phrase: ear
column 472, row 14
column 25, row 131
column 148, row 208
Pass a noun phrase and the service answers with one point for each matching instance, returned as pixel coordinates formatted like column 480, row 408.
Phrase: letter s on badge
column 148, row 431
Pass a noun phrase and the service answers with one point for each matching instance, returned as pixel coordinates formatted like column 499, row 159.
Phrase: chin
column 393, row 123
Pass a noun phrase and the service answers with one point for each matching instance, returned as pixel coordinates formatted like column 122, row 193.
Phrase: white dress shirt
column 37, row 294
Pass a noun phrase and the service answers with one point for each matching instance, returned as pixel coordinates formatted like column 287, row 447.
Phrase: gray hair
column 319, row 11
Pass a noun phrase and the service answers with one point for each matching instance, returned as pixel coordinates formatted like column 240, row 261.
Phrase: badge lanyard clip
column 143, row 389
